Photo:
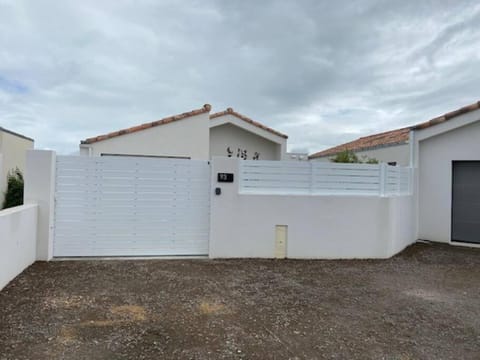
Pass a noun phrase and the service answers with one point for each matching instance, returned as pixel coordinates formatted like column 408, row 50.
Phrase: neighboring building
column 297, row 156
column 446, row 153
column 194, row 135
column 13, row 149
column 389, row 147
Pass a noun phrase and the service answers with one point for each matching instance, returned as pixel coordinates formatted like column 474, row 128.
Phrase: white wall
column 403, row 221
column 228, row 135
column 435, row 176
column 188, row 137
column 17, row 241
column 250, row 128
column 398, row 153
column 2, row 196
column 40, row 189
column 318, row 226
column 13, row 148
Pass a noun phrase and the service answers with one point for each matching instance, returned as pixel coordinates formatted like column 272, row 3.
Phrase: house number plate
column 225, row 177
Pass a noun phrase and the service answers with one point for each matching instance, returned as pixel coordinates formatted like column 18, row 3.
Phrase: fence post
column 410, row 180
column 311, row 177
column 399, row 181
column 383, row 178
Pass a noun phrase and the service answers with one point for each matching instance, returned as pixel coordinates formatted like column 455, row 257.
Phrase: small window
column 392, row 163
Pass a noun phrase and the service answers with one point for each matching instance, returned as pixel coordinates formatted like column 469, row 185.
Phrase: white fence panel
column 317, row 178
column 275, row 177
column 126, row 206
column 335, row 178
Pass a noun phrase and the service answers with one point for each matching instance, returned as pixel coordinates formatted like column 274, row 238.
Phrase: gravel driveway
column 422, row 304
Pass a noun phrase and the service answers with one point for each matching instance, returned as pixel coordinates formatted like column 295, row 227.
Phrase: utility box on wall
column 281, row 232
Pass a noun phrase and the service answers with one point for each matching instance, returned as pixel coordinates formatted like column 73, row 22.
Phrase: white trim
column 452, row 124
column 232, row 119
column 463, row 244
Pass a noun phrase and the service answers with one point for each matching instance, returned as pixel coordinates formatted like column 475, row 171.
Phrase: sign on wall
column 225, row 177
column 243, row 154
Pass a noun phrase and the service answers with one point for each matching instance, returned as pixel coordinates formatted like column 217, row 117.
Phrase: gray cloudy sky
column 323, row 72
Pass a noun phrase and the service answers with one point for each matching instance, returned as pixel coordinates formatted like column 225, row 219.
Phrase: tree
column 348, row 156
column 14, row 193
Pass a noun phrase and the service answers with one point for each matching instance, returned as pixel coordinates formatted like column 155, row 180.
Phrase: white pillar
column 222, row 206
column 2, row 181
column 40, row 189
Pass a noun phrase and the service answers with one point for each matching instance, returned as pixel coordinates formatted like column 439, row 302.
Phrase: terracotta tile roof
column 389, row 138
column 394, row 137
column 206, row 108
column 230, row 111
column 445, row 117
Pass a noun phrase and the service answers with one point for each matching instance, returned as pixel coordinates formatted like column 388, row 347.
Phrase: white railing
column 321, row 178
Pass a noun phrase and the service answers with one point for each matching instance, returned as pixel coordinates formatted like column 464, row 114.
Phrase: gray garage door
column 466, row 201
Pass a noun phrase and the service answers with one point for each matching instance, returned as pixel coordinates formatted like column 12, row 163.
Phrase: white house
column 13, row 149
column 389, row 147
column 195, row 135
column 143, row 206
column 445, row 151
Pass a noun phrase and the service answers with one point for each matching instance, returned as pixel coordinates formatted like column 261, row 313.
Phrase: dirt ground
column 422, row 304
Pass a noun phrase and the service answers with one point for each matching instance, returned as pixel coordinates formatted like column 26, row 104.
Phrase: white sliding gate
column 131, row 206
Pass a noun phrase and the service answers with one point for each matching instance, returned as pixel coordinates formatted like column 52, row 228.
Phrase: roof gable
column 230, row 111
column 15, row 134
column 206, row 108
column 394, row 137
column 447, row 116
column 388, row 138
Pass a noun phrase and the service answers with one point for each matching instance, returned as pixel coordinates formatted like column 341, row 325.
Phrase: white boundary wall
column 243, row 225
column 17, row 241
column 319, row 226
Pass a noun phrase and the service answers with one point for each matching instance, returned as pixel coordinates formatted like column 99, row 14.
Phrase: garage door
column 131, row 206
column 466, row 202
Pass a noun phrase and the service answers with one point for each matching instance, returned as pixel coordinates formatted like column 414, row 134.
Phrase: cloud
column 323, row 72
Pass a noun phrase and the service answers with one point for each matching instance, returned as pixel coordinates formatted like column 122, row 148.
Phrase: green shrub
column 348, row 156
column 368, row 160
column 14, row 193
